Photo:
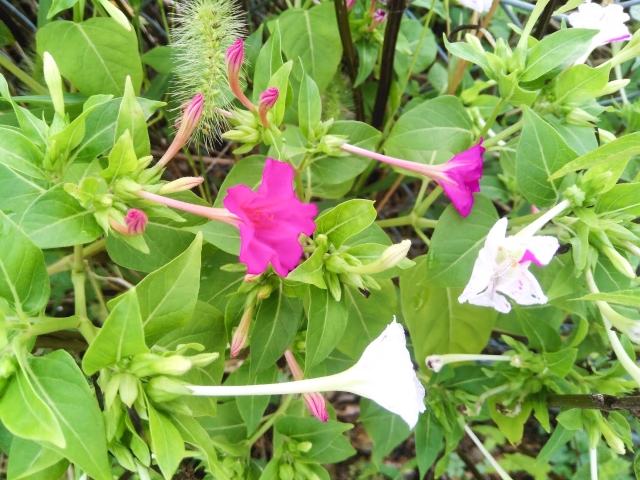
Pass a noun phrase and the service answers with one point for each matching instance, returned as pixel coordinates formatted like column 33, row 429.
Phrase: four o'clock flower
column 268, row 99
column 503, row 265
column 188, row 123
column 383, row 374
column 135, row 222
column 608, row 20
column 241, row 334
column 479, row 6
column 315, row 401
column 235, row 59
column 459, row 177
column 271, row 220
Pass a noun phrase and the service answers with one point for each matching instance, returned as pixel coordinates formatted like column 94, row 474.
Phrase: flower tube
column 235, row 59
column 459, row 177
column 436, row 362
column 383, row 374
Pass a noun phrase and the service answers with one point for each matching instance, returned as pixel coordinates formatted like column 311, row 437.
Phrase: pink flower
column 380, row 16
column 188, row 123
column 608, row 20
column 315, row 401
column 268, row 99
column 235, row 58
column 272, row 219
column 350, row 5
column 241, row 334
column 459, row 177
column 136, row 221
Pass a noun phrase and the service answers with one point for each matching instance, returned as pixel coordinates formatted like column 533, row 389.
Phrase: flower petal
column 540, row 250
column 523, row 287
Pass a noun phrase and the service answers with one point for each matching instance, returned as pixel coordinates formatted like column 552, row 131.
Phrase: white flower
column 608, row 20
column 477, row 5
column 383, row 374
column 503, row 267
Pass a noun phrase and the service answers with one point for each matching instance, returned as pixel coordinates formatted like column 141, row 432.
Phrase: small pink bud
column 188, row 122
column 350, row 5
column 235, row 59
column 268, row 99
column 241, row 334
column 534, row 209
column 136, row 221
column 380, row 16
column 315, row 401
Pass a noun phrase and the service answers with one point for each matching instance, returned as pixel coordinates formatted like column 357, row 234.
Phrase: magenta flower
column 235, row 58
column 188, row 123
column 271, row 220
column 316, row 403
column 459, row 177
column 268, row 99
column 380, row 16
column 136, row 221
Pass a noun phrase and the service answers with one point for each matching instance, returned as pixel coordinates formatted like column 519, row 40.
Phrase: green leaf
column 438, row 125
column 206, row 327
column 542, row 336
column 368, row 317
column 540, row 151
column 58, row 6
column 168, row 296
column 345, row 220
column 228, row 425
column 121, row 336
column 166, row 443
column 387, row 430
column 605, row 157
column 161, row 59
column 312, row 35
column 20, row 154
column 55, row 219
column 59, row 380
column 559, row 437
column 216, row 284
column 556, row 51
column 408, row 40
column 29, row 460
column 104, row 54
column 581, row 82
column 327, row 321
column 367, row 56
column 131, row 118
column 18, row 191
column 32, row 127
column 311, row 270
column 437, row 322
column 24, row 282
column 275, row 324
column 466, row 52
column 629, row 298
column 456, row 242
column 122, row 159
column 27, row 415
column 329, row 445
column 429, row 436
column 252, row 407
column 622, row 198
column 280, row 80
column 309, row 107
column 269, row 61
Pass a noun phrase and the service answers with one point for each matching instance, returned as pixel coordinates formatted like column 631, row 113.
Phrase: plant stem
column 507, row 132
column 492, row 118
column 593, row 461
column 342, row 16
column 54, row 325
column 65, row 263
column 396, row 10
column 85, row 327
column 499, row 470
column 282, row 409
column 22, row 76
column 422, row 208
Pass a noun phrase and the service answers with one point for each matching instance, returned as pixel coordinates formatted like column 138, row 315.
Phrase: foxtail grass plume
column 204, row 30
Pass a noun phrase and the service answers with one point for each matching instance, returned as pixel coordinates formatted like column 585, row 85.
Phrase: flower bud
column 333, row 283
column 315, row 401
column 434, row 362
column 616, row 444
column 165, row 389
column 7, row 366
column 136, row 221
column 268, row 99
column 575, row 194
column 148, row 364
column 180, row 185
column 579, row 117
column 126, row 189
column 242, row 134
column 203, row 359
column 335, row 263
column 128, row 388
column 605, row 136
column 475, row 43
column 350, row 5
column 619, row 261
column 188, row 123
column 389, row 259
column 613, row 87
column 286, row 472
column 54, row 83
column 235, row 59
column 379, row 16
column 304, row 446
column 242, row 332
column 116, row 14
